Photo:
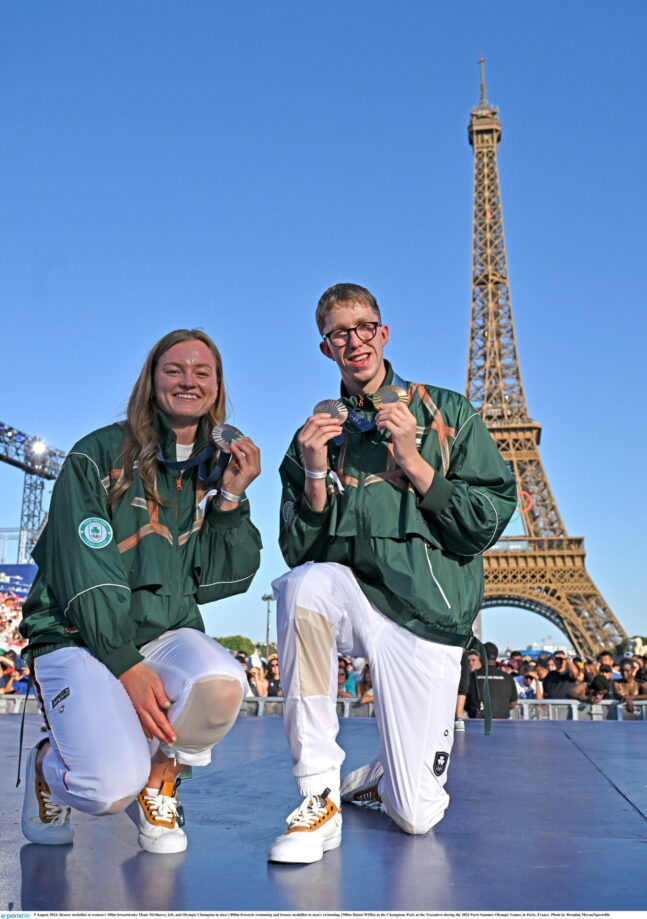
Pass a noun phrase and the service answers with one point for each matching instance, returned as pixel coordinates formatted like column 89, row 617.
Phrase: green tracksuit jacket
column 112, row 581
column 418, row 559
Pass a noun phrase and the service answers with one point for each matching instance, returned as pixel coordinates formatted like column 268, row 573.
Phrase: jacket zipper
column 435, row 579
column 176, row 534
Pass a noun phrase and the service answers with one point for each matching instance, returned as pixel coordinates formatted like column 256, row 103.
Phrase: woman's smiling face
column 185, row 382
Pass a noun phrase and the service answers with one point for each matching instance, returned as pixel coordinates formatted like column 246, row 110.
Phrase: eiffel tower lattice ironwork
column 542, row 571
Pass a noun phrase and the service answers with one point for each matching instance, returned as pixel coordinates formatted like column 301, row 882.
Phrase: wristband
column 315, row 475
column 227, row 495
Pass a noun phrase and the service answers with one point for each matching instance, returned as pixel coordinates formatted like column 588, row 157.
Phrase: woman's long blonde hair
column 140, row 444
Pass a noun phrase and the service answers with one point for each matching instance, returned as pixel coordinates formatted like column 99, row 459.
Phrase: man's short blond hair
column 343, row 293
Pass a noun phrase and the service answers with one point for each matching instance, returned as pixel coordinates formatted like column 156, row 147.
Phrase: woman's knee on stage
column 209, row 712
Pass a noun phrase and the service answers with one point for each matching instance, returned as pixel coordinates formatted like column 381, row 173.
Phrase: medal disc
column 389, row 394
column 223, row 435
column 333, row 407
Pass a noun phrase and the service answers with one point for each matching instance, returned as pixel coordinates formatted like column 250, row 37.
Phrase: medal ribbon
column 201, row 460
column 361, row 423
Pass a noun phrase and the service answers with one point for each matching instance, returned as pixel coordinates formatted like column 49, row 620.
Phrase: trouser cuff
column 316, row 784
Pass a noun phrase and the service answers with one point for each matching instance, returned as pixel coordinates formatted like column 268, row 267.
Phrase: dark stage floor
column 544, row 816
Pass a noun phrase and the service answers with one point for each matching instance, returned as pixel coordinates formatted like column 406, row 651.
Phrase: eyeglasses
column 365, row 331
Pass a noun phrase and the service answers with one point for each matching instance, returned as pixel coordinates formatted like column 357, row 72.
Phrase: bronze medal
column 333, row 407
column 389, row 394
column 223, row 435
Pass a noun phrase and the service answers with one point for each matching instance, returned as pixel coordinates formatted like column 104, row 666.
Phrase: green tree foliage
column 237, row 643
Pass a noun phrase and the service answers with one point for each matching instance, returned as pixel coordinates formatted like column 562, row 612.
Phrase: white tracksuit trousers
column 321, row 610
column 99, row 758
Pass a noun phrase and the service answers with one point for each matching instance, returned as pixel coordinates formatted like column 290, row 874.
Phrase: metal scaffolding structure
column 542, row 571
column 40, row 463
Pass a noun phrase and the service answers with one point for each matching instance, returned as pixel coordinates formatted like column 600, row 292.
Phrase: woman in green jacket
column 144, row 524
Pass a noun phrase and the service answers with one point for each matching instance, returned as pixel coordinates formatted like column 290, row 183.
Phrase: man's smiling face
column 360, row 362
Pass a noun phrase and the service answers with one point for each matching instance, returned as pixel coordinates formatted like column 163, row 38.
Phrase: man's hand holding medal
column 324, row 425
column 393, row 416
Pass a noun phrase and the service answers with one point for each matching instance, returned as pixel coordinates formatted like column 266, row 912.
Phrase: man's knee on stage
column 208, row 713
column 415, row 818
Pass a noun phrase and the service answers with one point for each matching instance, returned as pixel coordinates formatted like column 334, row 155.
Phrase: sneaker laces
column 369, row 798
column 56, row 814
column 162, row 807
column 311, row 811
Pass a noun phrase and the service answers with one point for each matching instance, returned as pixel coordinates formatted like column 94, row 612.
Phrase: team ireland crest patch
column 95, row 532
column 440, row 763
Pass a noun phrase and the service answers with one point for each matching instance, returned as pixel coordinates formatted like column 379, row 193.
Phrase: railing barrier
column 525, row 709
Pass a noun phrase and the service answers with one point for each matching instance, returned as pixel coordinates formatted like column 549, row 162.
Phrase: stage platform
column 545, row 816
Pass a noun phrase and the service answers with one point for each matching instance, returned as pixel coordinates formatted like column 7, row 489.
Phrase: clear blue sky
column 218, row 164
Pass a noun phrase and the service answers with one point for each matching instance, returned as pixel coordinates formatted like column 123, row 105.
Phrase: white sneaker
column 159, row 818
column 360, row 787
column 313, row 828
column 43, row 820
column 459, row 726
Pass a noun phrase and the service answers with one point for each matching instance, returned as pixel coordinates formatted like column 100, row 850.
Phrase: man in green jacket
column 393, row 492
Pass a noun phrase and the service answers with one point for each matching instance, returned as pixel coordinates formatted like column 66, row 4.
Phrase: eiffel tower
column 542, row 571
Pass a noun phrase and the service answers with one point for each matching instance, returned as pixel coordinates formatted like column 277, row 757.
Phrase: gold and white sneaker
column 43, row 820
column 159, row 818
column 360, row 787
column 313, row 828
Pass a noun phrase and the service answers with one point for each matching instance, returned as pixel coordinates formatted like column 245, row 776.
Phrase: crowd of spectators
column 14, row 673
column 263, row 675
column 10, row 616
column 519, row 676
column 621, row 679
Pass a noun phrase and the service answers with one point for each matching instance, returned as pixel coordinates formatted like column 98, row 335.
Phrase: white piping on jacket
column 88, row 589
column 436, row 582
column 77, row 453
column 496, row 522
column 458, row 433
column 237, row 581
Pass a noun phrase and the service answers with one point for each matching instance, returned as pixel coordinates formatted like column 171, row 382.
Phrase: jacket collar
column 364, row 400
column 167, row 439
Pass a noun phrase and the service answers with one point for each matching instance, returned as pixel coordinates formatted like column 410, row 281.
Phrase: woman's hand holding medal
column 243, row 468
